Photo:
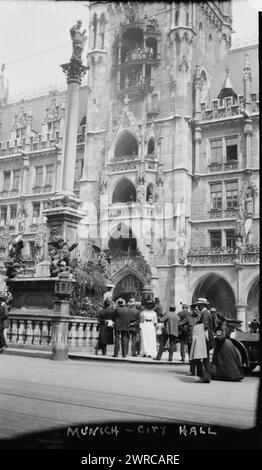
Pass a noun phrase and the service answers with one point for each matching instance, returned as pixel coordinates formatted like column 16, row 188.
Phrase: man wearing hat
column 183, row 330
column 169, row 332
column 213, row 312
column 206, row 319
column 158, row 308
column 106, row 320
column 134, row 328
column 192, row 321
column 123, row 316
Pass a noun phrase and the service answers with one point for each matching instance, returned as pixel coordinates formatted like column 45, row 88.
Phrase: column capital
column 74, row 71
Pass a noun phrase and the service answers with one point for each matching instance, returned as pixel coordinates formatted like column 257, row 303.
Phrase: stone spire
column 4, row 91
column 247, row 79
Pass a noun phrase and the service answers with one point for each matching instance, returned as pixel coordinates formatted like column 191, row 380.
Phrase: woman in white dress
column 148, row 330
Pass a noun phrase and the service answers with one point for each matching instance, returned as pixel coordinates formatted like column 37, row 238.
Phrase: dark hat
column 172, row 308
column 121, row 302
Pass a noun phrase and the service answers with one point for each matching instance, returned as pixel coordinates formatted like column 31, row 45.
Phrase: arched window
column 126, row 147
column 102, row 23
column 204, row 86
column 210, row 46
column 151, row 147
column 94, row 30
column 201, row 37
column 150, row 192
column 122, row 241
column 124, row 191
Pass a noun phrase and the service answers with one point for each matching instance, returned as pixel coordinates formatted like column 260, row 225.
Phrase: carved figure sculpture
column 78, row 41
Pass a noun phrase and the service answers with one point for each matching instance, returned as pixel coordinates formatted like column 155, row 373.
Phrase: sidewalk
column 85, row 356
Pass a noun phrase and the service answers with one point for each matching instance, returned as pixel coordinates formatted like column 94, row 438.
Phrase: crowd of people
column 201, row 331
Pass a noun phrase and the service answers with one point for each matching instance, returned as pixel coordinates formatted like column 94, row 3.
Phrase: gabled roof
column 227, row 89
column 235, row 61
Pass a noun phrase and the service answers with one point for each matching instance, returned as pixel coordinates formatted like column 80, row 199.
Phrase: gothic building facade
column 168, row 155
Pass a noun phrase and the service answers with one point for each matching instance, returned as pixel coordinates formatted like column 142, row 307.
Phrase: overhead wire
column 68, row 43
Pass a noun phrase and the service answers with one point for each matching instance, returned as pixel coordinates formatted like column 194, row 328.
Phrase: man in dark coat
column 183, row 330
column 106, row 318
column 158, row 308
column 124, row 315
column 207, row 320
column 135, row 328
column 170, row 331
column 192, row 321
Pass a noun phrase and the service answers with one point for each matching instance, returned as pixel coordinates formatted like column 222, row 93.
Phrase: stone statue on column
column 78, row 41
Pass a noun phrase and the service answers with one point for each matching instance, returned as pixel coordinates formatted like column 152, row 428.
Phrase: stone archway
column 218, row 292
column 253, row 301
column 128, row 286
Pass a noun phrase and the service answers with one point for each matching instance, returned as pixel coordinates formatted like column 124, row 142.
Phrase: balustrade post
column 60, row 331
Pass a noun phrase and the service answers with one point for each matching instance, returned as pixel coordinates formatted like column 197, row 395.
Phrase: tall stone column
column 63, row 214
column 74, row 70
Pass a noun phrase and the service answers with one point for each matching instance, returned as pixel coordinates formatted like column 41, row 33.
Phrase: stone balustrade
column 132, row 209
column 220, row 109
column 225, row 166
column 207, row 257
column 223, row 213
column 35, row 331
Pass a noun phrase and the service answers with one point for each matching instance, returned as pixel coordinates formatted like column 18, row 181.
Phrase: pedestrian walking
column 170, row 332
column 4, row 321
column 183, row 327
column 159, row 326
column 206, row 320
column 106, row 319
column 148, row 329
column 123, row 316
column 134, row 328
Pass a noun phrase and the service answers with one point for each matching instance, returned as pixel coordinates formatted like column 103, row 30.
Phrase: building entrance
column 218, row 292
column 129, row 286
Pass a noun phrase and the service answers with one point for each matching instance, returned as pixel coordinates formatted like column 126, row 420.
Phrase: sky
column 35, row 40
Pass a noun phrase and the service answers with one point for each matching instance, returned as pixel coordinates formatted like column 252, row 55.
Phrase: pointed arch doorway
column 128, row 286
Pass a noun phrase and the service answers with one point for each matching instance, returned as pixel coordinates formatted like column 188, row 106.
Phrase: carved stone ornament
column 183, row 66
column 74, row 71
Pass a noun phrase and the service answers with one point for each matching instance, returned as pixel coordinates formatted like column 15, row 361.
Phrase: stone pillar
column 248, row 138
column 25, row 171
column 242, row 315
column 74, row 71
column 154, row 281
column 60, row 330
column 197, row 139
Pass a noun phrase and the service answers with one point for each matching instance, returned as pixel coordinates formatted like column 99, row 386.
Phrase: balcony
column 48, row 188
column 226, row 256
column 223, row 213
column 9, row 193
column 132, row 209
column 136, row 87
column 140, row 56
column 124, row 163
column 226, row 166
